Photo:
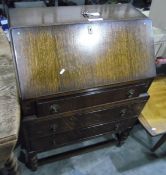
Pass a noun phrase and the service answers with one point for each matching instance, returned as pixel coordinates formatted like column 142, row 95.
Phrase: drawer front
column 51, row 125
column 57, row 140
column 89, row 99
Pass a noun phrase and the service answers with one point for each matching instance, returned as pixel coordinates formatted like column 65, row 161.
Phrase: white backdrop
column 158, row 13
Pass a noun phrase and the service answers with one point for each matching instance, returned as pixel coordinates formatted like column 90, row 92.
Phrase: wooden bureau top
column 73, row 14
column 60, row 58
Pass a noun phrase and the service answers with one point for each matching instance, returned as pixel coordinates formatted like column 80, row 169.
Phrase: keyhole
column 90, row 30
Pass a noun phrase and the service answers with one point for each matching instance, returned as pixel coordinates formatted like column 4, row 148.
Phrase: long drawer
column 52, row 125
column 88, row 99
column 74, row 136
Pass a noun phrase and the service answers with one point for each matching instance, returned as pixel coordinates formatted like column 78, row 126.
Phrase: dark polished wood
column 81, row 119
column 33, row 162
column 78, row 151
column 75, row 100
column 51, row 106
column 80, row 76
column 68, row 15
column 60, row 58
column 70, row 137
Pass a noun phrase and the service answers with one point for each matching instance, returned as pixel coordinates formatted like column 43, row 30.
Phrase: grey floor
column 133, row 158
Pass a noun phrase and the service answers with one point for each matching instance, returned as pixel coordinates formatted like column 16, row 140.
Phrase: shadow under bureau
column 82, row 72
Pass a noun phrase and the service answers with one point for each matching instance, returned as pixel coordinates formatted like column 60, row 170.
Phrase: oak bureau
column 82, row 72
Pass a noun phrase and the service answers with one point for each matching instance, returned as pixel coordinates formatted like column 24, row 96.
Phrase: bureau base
column 32, row 162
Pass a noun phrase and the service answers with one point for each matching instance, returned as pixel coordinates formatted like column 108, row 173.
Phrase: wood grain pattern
column 54, row 125
column 75, row 136
column 80, row 79
column 79, row 101
column 153, row 116
column 66, row 58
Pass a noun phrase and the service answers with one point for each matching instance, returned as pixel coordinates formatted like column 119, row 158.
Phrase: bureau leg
column 32, row 161
column 122, row 137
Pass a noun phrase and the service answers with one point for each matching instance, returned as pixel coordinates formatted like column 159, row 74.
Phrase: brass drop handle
column 123, row 112
column 53, row 127
column 131, row 92
column 90, row 14
column 54, row 108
